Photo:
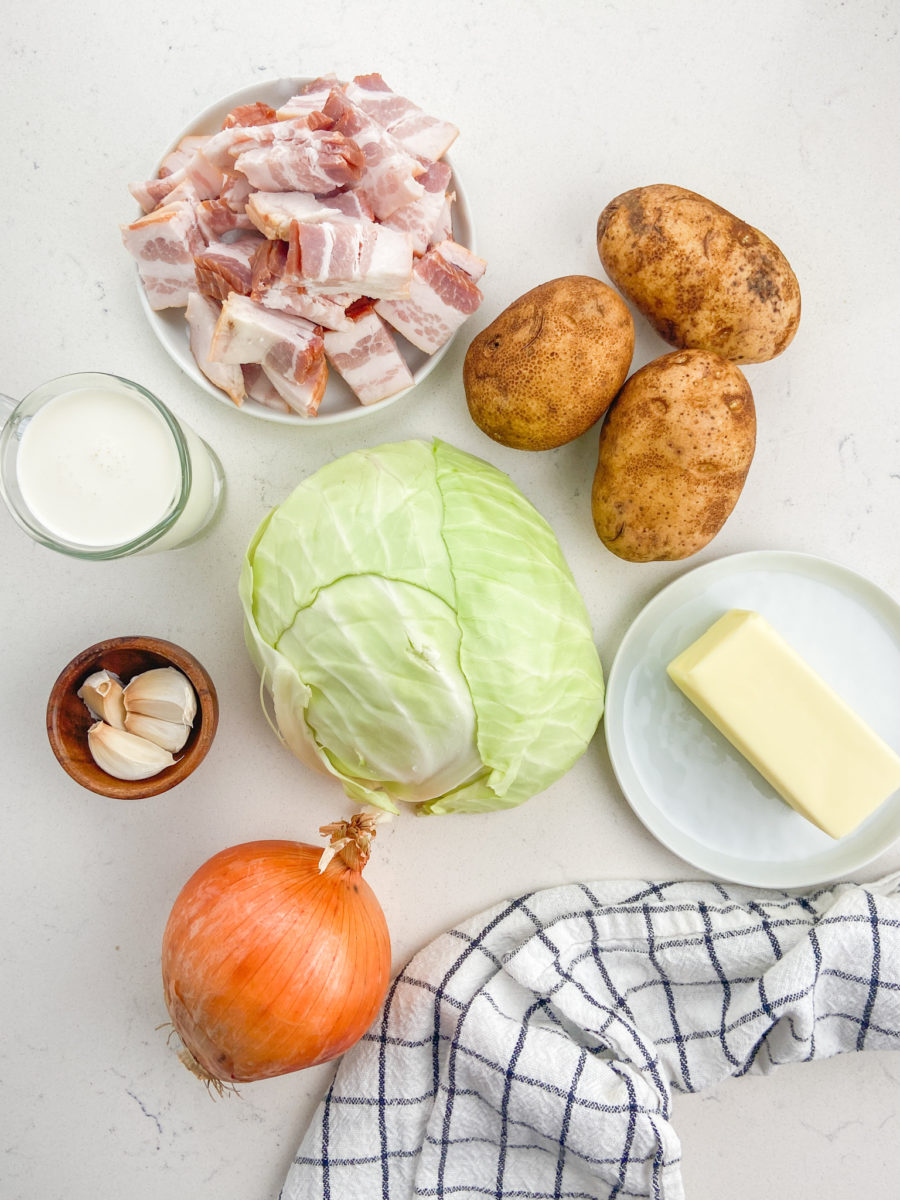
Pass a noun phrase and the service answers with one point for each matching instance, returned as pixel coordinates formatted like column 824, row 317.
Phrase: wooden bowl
column 68, row 717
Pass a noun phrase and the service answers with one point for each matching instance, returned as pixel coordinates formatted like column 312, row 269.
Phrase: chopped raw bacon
column 164, row 243
column 267, row 267
column 216, row 218
column 367, row 357
column 360, row 257
column 184, row 191
column 248, row 333
column 460, row 256
column 249, row 114
column 422, row 135
column 217, row 151
column 388, row 180
column 225, row 267
column 443, row 227
column 182, row 154
column 309, row 99
column 274, row 288
column 321, row 218
column 236, row 192
column 200, row 178
column 212, row 160
column 318, row 161
column 418, row 219
column 273, row 390
column 305, row 395
column 329, row 311
column 441, row 296
column 202, row 315
column 155, row 191
column 261, row 390
column 249, row 136
column 273, row 212
column 352, row 205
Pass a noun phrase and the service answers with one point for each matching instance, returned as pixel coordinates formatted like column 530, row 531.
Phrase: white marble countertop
column 784, row 113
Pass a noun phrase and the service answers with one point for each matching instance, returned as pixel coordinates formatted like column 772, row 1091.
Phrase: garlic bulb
column 124, row 755
column 171, row 735
column 164, row 693
column 103, row 693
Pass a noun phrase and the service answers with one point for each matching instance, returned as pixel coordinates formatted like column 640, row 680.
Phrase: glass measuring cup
column 95, row 466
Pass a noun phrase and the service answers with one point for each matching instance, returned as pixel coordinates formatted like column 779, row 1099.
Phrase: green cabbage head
column 420, row 632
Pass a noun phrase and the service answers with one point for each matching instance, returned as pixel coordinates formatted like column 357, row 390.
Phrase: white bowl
column 339, row 403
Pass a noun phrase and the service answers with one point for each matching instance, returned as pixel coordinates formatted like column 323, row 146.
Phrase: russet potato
column 675, row 449
column 703, row 278
column 550, row 364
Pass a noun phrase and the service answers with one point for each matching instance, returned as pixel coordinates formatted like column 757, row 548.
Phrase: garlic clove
column 163, row 692
column 124, row 755
column 103, row 694
column 171, row 735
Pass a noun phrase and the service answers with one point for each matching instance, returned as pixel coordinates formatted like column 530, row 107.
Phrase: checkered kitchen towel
column 534, row 1050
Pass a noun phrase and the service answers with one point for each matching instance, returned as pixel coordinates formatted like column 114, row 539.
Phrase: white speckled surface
column 784, row 113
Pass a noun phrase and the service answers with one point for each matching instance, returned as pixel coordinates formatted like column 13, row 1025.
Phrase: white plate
column 339, row 403
column 685, row 782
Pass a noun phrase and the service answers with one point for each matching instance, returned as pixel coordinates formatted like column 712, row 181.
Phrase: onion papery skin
column 270, row 965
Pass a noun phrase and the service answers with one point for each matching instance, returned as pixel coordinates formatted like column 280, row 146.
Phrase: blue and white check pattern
column 534, row 1050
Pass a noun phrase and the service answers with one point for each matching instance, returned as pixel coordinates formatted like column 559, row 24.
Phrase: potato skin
column 550, row 364
column 701, row 276
column 675, row 449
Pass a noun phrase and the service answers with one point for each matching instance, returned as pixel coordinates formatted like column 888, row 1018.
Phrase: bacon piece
column 182, row 154
column 217, row 152
column 202, row 315
column 246, row 332
column 211, row 166
column 164, row 243
column 361, row 257
column 460, row 256
column 273, row 212
column 329, row 311
column 225, row 267
column 418, row 219
column 309, row 99
column 155, row 191
column 249, row 114
column 314, row 160
column 366, row 355
column 303, row 396
column 388, row 180
column 268, row 265
column 443, row 226
column 351, row 205
column 249, row 136
column 184, row 192
column 274, row 288
column 261, row 390
column 422, row 135
column 206, row 170
column 282, row 375
column 216, row 218
column 201, row 177
column 236, row 191
column 441, row 296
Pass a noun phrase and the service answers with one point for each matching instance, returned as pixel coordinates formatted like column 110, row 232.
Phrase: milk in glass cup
column 96, row 466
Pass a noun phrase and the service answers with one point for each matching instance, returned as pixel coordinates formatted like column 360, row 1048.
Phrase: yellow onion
column 270, row 964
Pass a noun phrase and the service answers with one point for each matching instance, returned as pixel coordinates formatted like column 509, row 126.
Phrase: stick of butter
column 817, row 753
